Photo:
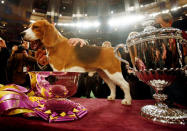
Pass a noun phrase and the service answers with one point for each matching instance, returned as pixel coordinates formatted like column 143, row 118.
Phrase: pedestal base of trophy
column 163, row 115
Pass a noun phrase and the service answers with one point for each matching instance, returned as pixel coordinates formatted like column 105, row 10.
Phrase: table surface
column 102, row 115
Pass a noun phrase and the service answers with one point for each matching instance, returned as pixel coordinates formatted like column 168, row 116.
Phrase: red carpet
column 102, row 115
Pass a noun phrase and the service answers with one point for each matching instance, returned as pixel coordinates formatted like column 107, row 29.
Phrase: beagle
column 66, row 58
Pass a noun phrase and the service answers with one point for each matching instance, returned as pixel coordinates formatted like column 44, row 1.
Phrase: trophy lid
column 152, row 33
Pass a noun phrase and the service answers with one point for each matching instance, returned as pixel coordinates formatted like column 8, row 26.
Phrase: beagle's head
column 41, row 30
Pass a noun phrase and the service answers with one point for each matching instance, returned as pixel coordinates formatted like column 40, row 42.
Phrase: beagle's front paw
column 126, row 102
column 111, row 97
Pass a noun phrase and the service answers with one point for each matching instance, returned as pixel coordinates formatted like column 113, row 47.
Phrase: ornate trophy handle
column 120, row 59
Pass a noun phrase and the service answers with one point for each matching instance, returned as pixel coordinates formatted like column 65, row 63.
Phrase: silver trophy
column 156, row 55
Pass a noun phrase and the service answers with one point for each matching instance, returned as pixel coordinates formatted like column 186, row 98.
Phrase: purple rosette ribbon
column 50, row 103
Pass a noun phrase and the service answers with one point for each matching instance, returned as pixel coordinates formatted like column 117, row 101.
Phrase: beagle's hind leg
column 118, row 79
column 110, row 84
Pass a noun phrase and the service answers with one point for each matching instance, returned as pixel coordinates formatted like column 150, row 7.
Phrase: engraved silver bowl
column 156, row 55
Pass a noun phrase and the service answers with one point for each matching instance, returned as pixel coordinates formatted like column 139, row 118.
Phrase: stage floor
column 102, row 115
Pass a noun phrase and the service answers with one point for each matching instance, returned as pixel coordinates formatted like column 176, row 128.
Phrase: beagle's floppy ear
column 50, row 35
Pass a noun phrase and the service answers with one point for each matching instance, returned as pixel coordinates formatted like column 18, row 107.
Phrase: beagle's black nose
column 22, row 34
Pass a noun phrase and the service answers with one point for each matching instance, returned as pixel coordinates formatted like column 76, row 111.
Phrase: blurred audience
column 40, row 56
column 106, row 44
column 20, row 62
column 164, row 19
column 185, row 48
column 4, row 55
column 23, row 59
column 177, row 91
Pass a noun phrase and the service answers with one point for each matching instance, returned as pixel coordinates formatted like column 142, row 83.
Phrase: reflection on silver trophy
column 156, row 55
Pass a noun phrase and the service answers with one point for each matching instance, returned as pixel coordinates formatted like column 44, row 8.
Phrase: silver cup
column 156, row 55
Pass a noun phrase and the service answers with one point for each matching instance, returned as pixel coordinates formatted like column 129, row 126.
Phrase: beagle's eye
column 35, row 27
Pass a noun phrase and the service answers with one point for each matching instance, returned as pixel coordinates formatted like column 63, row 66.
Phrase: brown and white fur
column 67, row 58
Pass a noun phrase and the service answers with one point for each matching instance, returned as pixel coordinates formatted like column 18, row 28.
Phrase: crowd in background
column 23, row 59
column 16, row 63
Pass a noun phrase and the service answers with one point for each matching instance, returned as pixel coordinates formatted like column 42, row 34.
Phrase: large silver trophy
column 156, row 55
